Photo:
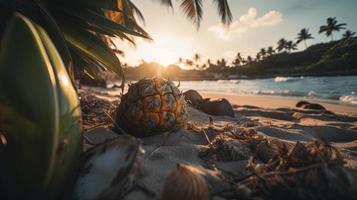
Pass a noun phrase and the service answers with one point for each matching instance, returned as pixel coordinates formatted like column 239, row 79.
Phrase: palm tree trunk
column 331, row 36
column 305, row 44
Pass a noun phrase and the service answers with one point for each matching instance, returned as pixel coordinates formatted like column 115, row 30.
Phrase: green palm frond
column 224, row 11
column 193, row 10
column 331, row 26
column 84, row 31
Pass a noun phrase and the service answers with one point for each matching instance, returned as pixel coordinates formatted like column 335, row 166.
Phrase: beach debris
column 109, row 170
column 98, row 135
column 194, row 98
column 40, row 113
column 151, row 106
column 308, row 105
column 227, row 149
column 97, row 112
column 218, row 107
column 186, row 182
column 308, row 171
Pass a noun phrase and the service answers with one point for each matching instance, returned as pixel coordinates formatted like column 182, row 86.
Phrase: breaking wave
column 351, row 99
column 286, row 79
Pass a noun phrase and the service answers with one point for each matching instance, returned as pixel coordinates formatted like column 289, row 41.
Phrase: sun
column 164, row 50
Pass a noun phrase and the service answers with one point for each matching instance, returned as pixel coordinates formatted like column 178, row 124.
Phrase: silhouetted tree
column 290, row 46
column 189, row 62
column 238, row 60
column 209, row 62
column 281, row 44
column 249, row 59
column 222, row 63
column 304, row 35
column 263, row 53
column 258, row 57
column 270, row 51
column 348, row 34
column 196, row 57
column 331, row 26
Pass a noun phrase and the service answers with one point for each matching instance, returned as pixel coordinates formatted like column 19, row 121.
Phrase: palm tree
column 258, row 57
column 189, row 62
column 238, row 60
column 209, row 63
column 348, row 34
column 270, row 51
column 263, row 52
column 222, row 63
column 196, row 57
column 304, row 35
column 249, row 59
column 180, row 60
column 290, row 46
column 331, row 26
column 83, row 31
column 193, row 10
column 281, row 44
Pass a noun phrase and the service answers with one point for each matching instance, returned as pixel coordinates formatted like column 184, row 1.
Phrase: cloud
column 246, row 22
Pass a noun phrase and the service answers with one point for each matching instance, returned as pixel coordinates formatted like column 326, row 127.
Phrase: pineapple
column 152, row 105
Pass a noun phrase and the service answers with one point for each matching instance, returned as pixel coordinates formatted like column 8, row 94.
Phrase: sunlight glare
column 164, row 50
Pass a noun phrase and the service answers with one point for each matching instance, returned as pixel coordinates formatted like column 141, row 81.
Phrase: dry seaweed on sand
column 96, row 111
column 312, row 171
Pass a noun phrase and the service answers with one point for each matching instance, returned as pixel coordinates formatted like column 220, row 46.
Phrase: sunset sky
column 256, row 24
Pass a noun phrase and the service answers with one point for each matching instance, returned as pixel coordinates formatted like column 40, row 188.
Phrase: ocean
column 339, row 89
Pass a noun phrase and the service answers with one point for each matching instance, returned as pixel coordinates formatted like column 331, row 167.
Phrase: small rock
column 313, row 106
column 301, row 103
column 308, row 105
column 193, row 97
column 218, row 107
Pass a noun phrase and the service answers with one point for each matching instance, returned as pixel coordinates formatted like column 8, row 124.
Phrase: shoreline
column 274, row 102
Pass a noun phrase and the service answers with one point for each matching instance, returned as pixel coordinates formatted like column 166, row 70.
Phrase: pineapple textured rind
column 152, row 105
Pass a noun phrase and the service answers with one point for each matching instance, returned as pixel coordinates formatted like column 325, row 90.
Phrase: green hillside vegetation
column 323, row 59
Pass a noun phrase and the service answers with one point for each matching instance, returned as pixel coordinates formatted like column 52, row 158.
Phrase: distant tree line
column 283, row 45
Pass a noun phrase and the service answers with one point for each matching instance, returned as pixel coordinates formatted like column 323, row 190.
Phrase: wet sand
column 279, row 102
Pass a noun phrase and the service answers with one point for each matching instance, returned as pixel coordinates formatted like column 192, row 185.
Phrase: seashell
column 109, row 169
column 186, row 182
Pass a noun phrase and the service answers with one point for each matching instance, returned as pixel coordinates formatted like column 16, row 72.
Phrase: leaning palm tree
column 304, row 35
column 290, row 46
column 84, row 32
column 281, row 44
column 331, row 26
column 348, row 34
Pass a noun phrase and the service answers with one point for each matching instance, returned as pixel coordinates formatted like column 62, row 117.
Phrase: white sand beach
column 274, row 119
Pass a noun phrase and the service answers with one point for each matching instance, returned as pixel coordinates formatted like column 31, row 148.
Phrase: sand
column 270, row 117
column 278, row 102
